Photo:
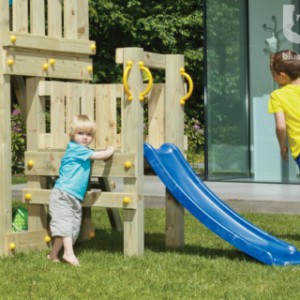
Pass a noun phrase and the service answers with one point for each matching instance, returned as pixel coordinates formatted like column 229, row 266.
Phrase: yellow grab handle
column 125, row 78
column 150, row 80
column 191, row 86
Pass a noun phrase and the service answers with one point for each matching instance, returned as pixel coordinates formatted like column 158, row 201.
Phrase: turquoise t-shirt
column 75, row 170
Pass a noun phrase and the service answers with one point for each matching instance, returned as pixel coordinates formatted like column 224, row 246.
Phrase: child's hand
column 110, row 150
column 104, row 154
column 284, row 153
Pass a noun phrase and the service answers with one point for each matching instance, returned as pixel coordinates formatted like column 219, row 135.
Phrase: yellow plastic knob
column 52, row 61
column 10, row 61
column 13, row 38
column 30, row 163
column 128, row 164
column 93, row 47
column 45, row 67
column 28, row 196
column 90, row 69
column 12, row 246
column 47, row 238
column 126, row 200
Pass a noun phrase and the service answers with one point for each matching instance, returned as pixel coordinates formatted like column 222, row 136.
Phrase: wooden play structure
column 45, row 50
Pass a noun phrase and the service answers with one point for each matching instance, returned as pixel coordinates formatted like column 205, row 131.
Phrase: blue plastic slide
column 185, row 186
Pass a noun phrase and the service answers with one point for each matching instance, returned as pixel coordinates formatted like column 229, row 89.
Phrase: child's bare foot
column 54, row 259
column 72, row 260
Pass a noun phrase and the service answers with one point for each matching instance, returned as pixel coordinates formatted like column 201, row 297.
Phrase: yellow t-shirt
column 287, row 100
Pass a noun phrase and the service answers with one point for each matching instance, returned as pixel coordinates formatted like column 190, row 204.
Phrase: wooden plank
column 132, row 141
column 73, row 105
column 5, row 140
column 37, row 17
column 5, row 159
column 156, row 115
column 26, row 241
column 47, row 43
column 92, row 199
column 58, row 114
column 83, row 19
column 87, row 95
column 47, row 163
column 20, row 15
column 155, row 60
column 151, row 60
column 174, row 89
column 70, row 19
column 106, row 185
column 106, row 114
column 35, row 123
column 54, row 18
column 29, row 63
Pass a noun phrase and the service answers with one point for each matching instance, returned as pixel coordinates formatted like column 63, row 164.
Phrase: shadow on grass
column 112, row 241
column 156, row 243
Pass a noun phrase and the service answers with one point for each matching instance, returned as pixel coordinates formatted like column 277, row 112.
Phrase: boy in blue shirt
column 70, row 188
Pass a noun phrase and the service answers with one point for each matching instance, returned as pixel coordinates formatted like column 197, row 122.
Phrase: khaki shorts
column 66, row 214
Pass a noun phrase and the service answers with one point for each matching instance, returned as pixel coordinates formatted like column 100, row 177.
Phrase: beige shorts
column 66, row 214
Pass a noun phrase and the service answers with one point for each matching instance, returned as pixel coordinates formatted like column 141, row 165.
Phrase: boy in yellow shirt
column 285, row 101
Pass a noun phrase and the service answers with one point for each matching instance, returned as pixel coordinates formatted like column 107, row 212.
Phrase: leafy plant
column 18, row 141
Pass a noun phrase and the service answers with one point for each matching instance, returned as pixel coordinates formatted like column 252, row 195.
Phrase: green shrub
column 18, row 141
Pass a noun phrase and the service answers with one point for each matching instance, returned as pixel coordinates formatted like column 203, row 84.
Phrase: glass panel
column 227, row 113
column 266, row 35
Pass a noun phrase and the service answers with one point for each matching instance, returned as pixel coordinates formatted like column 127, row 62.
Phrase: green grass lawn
column 207, row 268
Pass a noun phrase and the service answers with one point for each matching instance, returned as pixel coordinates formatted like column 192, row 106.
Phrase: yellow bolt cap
column 13, row 38
column 30, row 163
column 45, row 67
column 12, row 246
column 52, row 61
column 128, row 164
column 28, row 196
column 93, row 47
column 126, row 200
column 47, row 238
column 92, row 234
column 10, row 61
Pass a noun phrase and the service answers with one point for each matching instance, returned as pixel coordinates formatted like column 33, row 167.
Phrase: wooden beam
column 151, row 60
column 26, row 241
column 92, row 199
column 47, row 43
column 31, row 63
column 5, row 140
column 47, row 163
column 133, row 141
column 174, row 134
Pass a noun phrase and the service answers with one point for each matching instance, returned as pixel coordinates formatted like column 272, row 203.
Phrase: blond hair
column 82, row 123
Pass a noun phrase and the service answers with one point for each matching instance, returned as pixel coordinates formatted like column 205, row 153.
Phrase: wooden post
column 5, row 139
column 174, row 133
column 132, row 141
column 35, row 123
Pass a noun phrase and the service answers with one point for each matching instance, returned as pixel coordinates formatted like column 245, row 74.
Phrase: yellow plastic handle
column 191, row 86
column 150, row 80
column 125, row 80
